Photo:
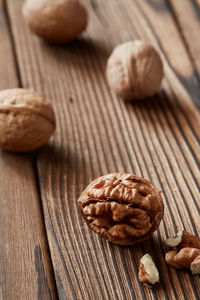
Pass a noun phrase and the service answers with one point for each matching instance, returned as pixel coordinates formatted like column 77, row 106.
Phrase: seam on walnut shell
column 83, row 205
column 14, row 109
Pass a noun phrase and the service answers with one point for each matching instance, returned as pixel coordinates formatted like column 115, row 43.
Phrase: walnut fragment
column 148, row 273
column 183, row 239
column 123, row 208
column 195, row 265
column 188, row 258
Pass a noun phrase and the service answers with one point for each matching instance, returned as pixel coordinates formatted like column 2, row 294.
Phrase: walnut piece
column 195, row 266
column 122, row 208
column 148, row 273
column 26, row 120
column 188, row 258
column 183, row 239
column 134, row 70
column 55, row 21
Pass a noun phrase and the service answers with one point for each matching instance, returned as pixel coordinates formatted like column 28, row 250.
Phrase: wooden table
column 47, row 251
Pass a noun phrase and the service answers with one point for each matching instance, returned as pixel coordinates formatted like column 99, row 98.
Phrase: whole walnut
column 134, row 70
column 57, row 21
column 123, row 208
column 26, row 120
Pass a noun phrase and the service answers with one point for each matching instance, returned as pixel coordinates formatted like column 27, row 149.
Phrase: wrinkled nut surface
column 148, row 273
column 122, row 208
column 184, row 259
column 57, row 21
column 183, row 239
column 134, row 70
column 26, row 120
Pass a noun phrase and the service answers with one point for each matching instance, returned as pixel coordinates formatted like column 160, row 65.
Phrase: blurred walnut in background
column 134, row 70
column 57, row 21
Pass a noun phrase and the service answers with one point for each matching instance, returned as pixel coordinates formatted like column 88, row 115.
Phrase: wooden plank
column 8, row 75
column 25, row 266
column 98, row 133
column 187, row 16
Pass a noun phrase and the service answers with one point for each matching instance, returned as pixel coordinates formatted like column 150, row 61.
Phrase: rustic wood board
column 25, row 265
column 98, row 134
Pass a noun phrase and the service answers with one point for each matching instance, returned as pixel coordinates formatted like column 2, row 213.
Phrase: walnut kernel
column 122, row 208
column 148, row 273
column 184, row 259
column 183, row 239
column 195, row 265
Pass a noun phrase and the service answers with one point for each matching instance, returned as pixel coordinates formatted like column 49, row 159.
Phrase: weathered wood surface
column 25, row 266
column 98, row 133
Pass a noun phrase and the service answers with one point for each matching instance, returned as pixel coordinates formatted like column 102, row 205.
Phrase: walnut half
column 122, row 208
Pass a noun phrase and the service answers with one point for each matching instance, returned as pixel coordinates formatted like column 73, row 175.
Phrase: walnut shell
column 55, row 21
column 26, row 120
column 124, row 209
column 134, row 70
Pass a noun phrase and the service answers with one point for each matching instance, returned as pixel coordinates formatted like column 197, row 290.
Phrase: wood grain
column 98, row 133
column 189, row 30
column 25, row 267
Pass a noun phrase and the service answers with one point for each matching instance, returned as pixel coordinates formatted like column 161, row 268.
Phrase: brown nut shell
column 55, row 21
column 27, row 120
column 123, row 208
column 134, row 70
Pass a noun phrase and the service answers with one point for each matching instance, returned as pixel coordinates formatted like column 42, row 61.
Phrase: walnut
column 122, row 208
column 195, row 265
column 26, row 120
column 183, row 239
column 55, row 21
column 148, row 273
column 188, row 254
column 186, row 258
column 134, row 70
